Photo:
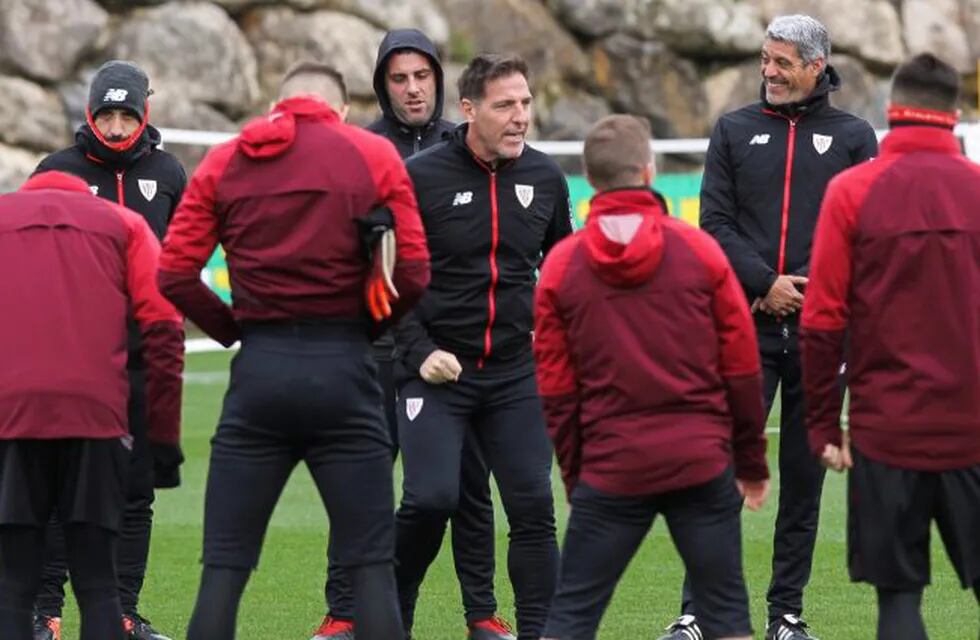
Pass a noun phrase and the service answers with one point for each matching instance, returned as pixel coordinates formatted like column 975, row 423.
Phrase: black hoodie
column 408, row 140
column 763, row 209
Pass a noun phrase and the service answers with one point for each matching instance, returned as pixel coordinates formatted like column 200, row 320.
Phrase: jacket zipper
column 494, row 273
column 787, row 183
column 119, row 188
column 418, row 141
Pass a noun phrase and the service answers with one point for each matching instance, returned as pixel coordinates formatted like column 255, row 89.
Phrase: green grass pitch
column 284, row 599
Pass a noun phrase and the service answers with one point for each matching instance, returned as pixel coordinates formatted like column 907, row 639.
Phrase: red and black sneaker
column 493, row 628
column 139, row 628
column 333, row 629
column 47, row 628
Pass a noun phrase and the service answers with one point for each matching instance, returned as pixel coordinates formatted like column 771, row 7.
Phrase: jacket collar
column 907, row 139
column 92, row 145
column 819, row 98
column 457, row 138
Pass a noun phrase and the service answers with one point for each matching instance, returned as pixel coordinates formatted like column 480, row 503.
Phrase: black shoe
column 138, row 628
column 789, row 627
column 684, row 628
column 47, row 628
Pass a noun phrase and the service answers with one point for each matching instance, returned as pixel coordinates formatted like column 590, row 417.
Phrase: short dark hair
column 617, row 149
column 486, row 68
column 311, row 67
column 926, row 82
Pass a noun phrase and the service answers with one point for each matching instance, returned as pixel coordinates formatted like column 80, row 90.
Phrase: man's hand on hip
column 439, row 367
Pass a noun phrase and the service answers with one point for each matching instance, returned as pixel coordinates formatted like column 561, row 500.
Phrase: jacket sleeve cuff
column 822, row 353
column 201, row 305
column 744, row 394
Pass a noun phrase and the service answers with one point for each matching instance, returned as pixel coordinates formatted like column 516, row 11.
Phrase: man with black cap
column 408, row 81
column 117, row 153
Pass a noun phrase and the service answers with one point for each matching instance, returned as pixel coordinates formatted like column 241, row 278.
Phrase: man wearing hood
column 649, row 373
column 408, row 81
column 767, row 167
column 117, row 153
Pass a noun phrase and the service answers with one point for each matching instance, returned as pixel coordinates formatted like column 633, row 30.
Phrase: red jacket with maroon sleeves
column 647, row 358
column 896, row 263
column 282, row 199
column 73, row 267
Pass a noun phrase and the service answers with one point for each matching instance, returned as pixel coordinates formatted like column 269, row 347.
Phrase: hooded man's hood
column 400, row 40
column 273, row 134
column 623, row 236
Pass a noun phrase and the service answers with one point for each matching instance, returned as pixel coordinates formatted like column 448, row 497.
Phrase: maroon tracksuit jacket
column 73, row 265
column 896, row 263
column 282, row 199
column 648, row 363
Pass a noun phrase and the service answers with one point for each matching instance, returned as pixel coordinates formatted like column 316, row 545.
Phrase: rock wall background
column 680, row 63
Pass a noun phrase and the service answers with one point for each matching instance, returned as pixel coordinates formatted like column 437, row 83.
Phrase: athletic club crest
column 821, row 142
column 413, row 406
column 525, row 194
column 148, row 188
column 94, row 188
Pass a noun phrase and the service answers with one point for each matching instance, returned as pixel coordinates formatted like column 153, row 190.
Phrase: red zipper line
column 787, row 182
column 494, row 271
column 119, row 188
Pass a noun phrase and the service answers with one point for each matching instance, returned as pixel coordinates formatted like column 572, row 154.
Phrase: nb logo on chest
column 462, row 197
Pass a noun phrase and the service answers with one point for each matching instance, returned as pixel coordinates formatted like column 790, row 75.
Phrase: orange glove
column 380, row 290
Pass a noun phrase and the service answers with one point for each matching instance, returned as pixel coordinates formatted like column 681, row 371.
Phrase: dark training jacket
column 487, row 231
column 765, row 175
column 408, row 140
column 144, row 178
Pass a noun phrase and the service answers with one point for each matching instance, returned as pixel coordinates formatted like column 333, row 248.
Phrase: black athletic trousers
column 605, row 530
column 502, row 407
column 800, row 474
column 133, row 541
column 472, row 525
column 300, row 393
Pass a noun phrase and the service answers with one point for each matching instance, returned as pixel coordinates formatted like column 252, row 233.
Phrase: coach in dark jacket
column 117, row 153
column 767, row 168
column 491, row 207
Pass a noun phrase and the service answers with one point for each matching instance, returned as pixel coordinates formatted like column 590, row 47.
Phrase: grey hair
column 809, row 36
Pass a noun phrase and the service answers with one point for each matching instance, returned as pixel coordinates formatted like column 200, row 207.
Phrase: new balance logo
column 760, row 138
column 462, row 197
column 115, row 95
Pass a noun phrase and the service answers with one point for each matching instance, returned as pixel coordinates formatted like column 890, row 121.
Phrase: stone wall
column 213, row 64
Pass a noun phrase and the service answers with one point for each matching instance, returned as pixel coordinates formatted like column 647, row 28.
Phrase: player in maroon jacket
column 68, row 256
column 649, row 371
column 896, row 269
column 290, row 200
